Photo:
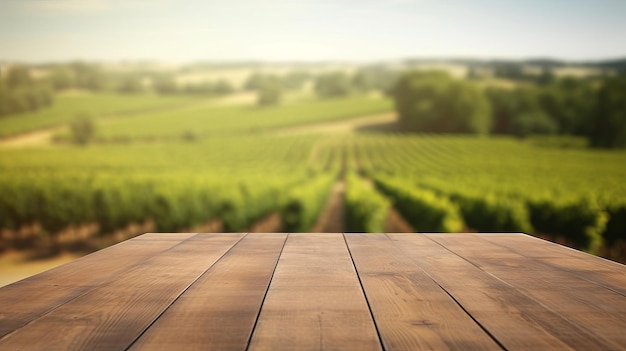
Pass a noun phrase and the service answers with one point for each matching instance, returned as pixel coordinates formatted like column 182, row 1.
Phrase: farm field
column 184, row 164
column 98, row 105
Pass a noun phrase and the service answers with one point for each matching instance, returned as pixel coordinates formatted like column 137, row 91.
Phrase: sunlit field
column 114, row 164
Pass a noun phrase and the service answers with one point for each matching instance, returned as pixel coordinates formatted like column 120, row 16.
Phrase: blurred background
column 120, row 118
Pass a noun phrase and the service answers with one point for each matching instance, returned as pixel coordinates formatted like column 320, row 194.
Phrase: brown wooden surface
column 219, row 311
column 321, row 291
column 419, row 314
column 315, row 300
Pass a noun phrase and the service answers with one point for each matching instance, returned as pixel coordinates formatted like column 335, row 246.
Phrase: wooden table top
column 321, row 291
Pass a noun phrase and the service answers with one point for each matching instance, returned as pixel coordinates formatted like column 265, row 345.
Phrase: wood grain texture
column 321, row 291
column 517, row 321
column 315, row 301
column 606, row 273
column 411, row 311
column 594, row 309
column 113, row 315
column 32, row 297
column 220, row 309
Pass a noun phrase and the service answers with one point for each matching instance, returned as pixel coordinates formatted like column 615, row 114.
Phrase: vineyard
column 188, row 164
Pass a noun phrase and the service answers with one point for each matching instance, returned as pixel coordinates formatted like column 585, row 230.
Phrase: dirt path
column 36, row 138
column 245, row 98
column 212, row 226
column 395, row 223
column 344, row 126
column 43, row 137
column 15, row 266
column 269, row 224
column 331, row 220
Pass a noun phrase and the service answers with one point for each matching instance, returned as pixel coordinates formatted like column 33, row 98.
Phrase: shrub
column 83, row 129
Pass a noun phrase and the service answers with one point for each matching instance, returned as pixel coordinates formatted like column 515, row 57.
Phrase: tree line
column 326, row 85
column 19, row 92
column 593, row 107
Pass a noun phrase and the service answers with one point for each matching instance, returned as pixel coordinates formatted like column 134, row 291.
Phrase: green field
column 66, row 107
column 237, row 170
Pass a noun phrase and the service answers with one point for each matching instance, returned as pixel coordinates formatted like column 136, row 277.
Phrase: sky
column 310, row 30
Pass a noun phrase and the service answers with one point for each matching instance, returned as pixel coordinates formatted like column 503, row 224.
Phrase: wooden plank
column 32, row 297
column 594, row 309
column 609, row 274
column 220, row 309
column 515, row 320
column 315, row 300
column 411, row 311
column 112, row 316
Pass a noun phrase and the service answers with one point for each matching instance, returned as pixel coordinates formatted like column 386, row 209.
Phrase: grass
column 216, row 120
column 66, row 107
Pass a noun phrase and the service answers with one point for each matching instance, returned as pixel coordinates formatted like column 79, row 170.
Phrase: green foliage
column 269, row 93
column 434, row 102
column 295, row 80
column 304, row 203
column 505, row 186
column 223, row 87
column 581, row 222
column 558, row 106
column 210, row 120
column 83, row 129
column 509, row 70
column 536, row 122
column 89, row 76
column 238, row 176
column 218, row 88
column 560, row 141
column 130, row 85
column 366, row 209
column 19, row 93
column 181, row 186
column 61, row 78
column 569, row 102
column 488, row 213
column 375, row 78
column 18, row 77
column 333, row 85
column 523, row 111
column 616, row 225
column 165, row 85
column 425, row 210
column 66, row 107
column 608, row 128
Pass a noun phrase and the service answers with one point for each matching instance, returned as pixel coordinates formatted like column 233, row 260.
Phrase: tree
column 269, row 93
column 334, row 84
column 19, row 93
column 431, row 101
column 62, row 78
column 18, row 77
column 83, row 129
column 254, row 81
column 89, row 76
column 546, row 77
column 509, row 70
column 223, row 87
column 374, row 78
column 130, row 85
column 203, row 88
column 569, row 101
column 524, row 111
column 608, row 128
column 165, row 85
column 503, row 107
column 294, row 80
column 533, row 122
